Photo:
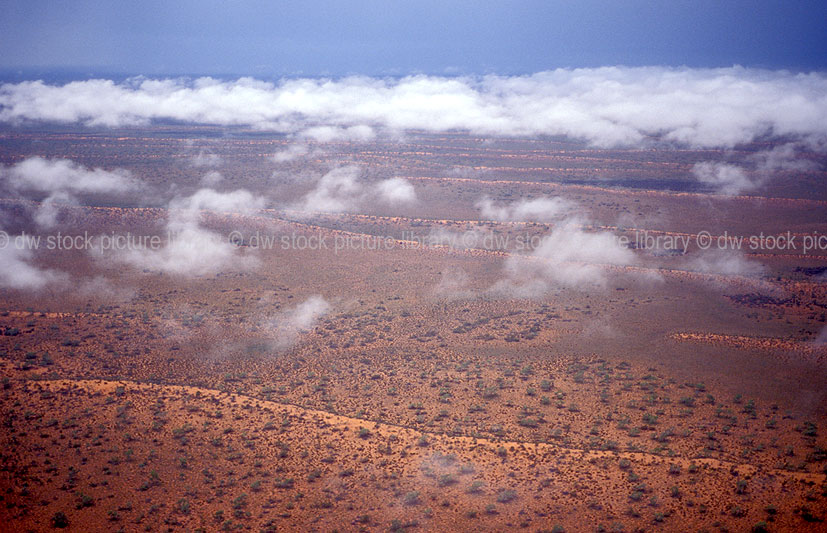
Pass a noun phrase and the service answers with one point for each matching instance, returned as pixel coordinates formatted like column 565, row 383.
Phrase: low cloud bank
column 606, row 106
column 326, row 134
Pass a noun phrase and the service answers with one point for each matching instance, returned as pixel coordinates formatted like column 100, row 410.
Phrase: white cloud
column 536, row 210
column 476, row 237
column 342, row 190
column 606, row 106
column 337, row 191
column 192, row 249
column 61, row 180
column 304, row 316
column 461, row 171
column 212, row 178
column 396, row 191
column 17, row 271
column 731, row 179
column 454, row 283
column 292, row 152
column 52, row 175
column 359, row 133
column 45, row 215
column 205, row 159
column 567, row 257
column 286, row 328
column 99, row 286
column 726, row 178
column 726, row 262
column 239, row 201
column 784, row 157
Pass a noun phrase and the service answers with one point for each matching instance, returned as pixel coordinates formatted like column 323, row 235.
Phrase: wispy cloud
column 342, row 190
column 292, row 152
column 784, row 157
column 757, row 169
column 541, row 209
column 212, row 178
column 287, row 327
column 726, row 262
column 724, row 178
column 205, row 159
column 17, row 270
column 61, row 180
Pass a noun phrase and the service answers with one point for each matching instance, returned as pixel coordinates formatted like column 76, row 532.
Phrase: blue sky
column 312, row 37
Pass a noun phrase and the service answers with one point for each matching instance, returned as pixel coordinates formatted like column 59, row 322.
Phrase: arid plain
column 427, row 333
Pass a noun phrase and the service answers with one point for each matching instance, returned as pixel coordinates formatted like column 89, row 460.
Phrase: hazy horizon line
column 113, row 73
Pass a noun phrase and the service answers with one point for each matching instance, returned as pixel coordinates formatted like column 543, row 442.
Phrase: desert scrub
column 741, row 486
column 59, row 520
column 183, row 506
column 447, row 479
column 476, row 487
